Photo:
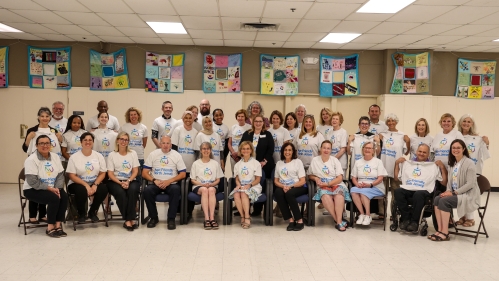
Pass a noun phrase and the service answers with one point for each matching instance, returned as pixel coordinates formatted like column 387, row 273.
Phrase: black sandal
column 129, row 228
column 437, row 238
column 207, row 225
column 433, row 235
column 61, row 232
column 52, row 233
column 214, row 224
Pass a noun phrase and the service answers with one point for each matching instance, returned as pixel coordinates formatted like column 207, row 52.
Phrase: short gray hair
column 392, row 116
column 304, row 108
column 58, row 102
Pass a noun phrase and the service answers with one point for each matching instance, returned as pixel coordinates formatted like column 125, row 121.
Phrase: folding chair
column 162, row 197
column 20, row 180
column 312, row 189
column 71, row 198
column 484, row 185
column 193, row 197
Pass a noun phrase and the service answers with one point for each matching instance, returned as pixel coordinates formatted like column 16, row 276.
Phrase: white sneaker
column 367, row 220
column 361, row 219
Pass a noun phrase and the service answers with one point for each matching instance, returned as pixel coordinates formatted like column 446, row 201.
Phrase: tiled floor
column 95, row 252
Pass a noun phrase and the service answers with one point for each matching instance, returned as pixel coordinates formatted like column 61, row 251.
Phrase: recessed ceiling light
column 339, row 38
column 6, row 28
column 497, row 40
column 384, row 6
column 167, row 27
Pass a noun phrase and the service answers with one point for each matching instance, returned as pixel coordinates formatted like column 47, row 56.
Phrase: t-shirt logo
column 471, row 148
column 327, row 131
column 167, row 128
column 443, row 142
column 52, row 144
column 367, row 170
column 284, row 172
column 126, row 166
column 389, row 142
column 244, row 172
column 238, row 134
column 58, row 128
column 135, row 133
column 213, row 142
column 89, row 168
column 373, row 130
column 77, row 141
column 207, row 173
column 333, row 139
column 304, row 142
column 105, row 143
column 416, row 172
column 163, row 161
column 187, row 140
column 49, row 169
column 220, row 132
column 274, row 136
column 325, row 170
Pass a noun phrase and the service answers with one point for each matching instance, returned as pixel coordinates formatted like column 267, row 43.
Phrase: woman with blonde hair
column 137, row 133
column 441, row 143
column 211, row 137
column 325, row 123
column 308, row 142
column 422, row 135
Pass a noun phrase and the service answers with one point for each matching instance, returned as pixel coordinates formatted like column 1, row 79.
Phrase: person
column 417, row 183
column 395, row 144
column 208, row 135
column 289, row 182
column 478, row 149
column 291, row 124
column 164, row 168
column 300, row 112
column 339, row 138
column 462, row 191
column 279, row 134
column 94, row 122
column 356, row 141
column 194, row 110
column 247, row 172
column 204, row 110
column 376, row 126
column 325, row 124
column 205, row 178
column 223, row 131
column 58, row 121
column 182, row 139
column 308, row 142
column 327, row 173
column 105, row 137
column 254, row 109
column 263, row 144
column 137, row 133
column 163, row 124
column 71, row 142
column 122, row 170
column 87, row 170
column 441, row 143
column 44, row 184
column 367, row 178
column 421, row 135
column 236, row 133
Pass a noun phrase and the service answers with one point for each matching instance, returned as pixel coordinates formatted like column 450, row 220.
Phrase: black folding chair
column 24, row 201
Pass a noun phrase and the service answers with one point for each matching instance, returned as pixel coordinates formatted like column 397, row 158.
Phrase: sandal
column 469, row 223
column 437, row 238
column 207, row 225
column 61, row 232
column 246, row 225
column 461, row 221
column 52, row 233
column 433, row 235
column 214, row 224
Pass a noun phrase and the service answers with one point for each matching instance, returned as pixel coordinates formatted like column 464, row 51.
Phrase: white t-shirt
column 184, row 140
column 339, row 139
column 236, row 133
column 308, row 147
column 289, row 173
column 247, row 171
column 416, row 141
column 200, row 118
column 356, row 148
column 71, row 141
column 86, row 168
column 122, row 165
column 46, row 170
column 222, row 131
column 105, row 141
column 294, row 132
column 59, row 125
column 206, row 172
column 137, row 133
column 454, row 174
column 163, row 126
column 280, row 135
column 478, row 151
column 112, row 123
column 377, row 128
column 419, row 175
column 216, row 144
column 393, row 148
column 326, row 171
column 369, row 171
column 180, row 123
column 55, row 146
column 441, row 145
column 164, row 166
column 324, row 129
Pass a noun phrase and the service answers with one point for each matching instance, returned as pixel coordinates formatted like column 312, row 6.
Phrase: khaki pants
column 390, row 184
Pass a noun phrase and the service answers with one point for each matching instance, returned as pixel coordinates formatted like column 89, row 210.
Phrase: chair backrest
column 20, row 180
column 483, row 184
column 22, row 176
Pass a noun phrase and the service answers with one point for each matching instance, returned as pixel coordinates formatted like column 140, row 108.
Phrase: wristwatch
column 371, row 185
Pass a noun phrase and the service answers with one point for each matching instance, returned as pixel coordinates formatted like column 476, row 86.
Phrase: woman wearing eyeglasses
column 355, row 141
column 255, row 109
column 308, row 142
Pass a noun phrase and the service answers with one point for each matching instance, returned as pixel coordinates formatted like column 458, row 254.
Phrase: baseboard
column 494, row 189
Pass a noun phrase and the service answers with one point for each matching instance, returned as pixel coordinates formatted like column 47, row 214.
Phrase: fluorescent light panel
column 384, row 6
column 497, row 40
column 167, row 27
column 6, row 28
column 339, row 38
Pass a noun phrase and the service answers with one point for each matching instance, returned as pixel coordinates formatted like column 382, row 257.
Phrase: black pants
column 173, row 191
column 126, row 199
column 287, row 200
column 35, row 208
column 81, row 196
column 404, row 198
column 56, row 206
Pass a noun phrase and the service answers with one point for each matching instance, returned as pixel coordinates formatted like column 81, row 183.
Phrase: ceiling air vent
column 260, row 26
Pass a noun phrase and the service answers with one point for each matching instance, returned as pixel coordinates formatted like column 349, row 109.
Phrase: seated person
column 163, row 167
column 418, row 182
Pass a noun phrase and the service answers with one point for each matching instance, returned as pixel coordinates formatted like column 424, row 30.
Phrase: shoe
column 413, row 227
column 291, row 226
column 299, row 226
column 469, row 223
column 361, row 219
column 34, row 221
column 129, row 228
column 81, row 220
column 135, row 226
column 278, row 213
column 214, row 224
column 152, row 223
column 93, row 217
column 207, row 225
column 320, row 206
column 326, row 213
column 367, row 220
column 61, row 232
column 171, row 224
column 52, row 233
column 404, row 224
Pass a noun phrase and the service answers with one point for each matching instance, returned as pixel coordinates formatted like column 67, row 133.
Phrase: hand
column 401, row 160
column 246, row 187
column 351, row 138
column 125, row 184
column 263, row 163
column 439, row 163
column 485, row 140
column 286, row 188
column 446, row 194
column 234, row 154
column 376, row 138
column 54, row 190
column 29, row 137
column 237, row 187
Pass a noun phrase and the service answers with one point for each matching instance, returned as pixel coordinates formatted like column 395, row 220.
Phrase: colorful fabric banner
column 475, row 79
column 279, row 75
column 222, row 73
column 339, row 76
column 164, row 73
column 412, row 73
column 49, row 68
column 108, row 71
column 4, row 67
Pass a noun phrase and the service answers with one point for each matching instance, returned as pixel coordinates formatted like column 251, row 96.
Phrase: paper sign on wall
column 475, row 79
column 412, row 73
column 222, row 73
column 108, row 71
column 339, row 76
column 4, row 67
column 164, row 73
column 279, row 75
column 49, row 68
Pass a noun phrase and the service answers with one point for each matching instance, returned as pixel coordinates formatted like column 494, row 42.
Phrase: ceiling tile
column 229, row 23
column 160, row 7
column 420, row 13
column 102, row 30
column 32, row 28
column 239, row 35
column 24, row 36
column 268, row 44
column 196, row 8
column 343, row 1
column 475, row 49
column 201, row 22
column 83, row 18
column 163, row 18
column 41, row 16
column 7, row 16
column 356, row 46
column 490, row 19
column 304, row 45
column 238, row 43
column 142, row 40
column 67, row 29
column 309, row 36
column 205, row 34
column 355, row 26
column 67, row 5
column 173, row 41
column 407, row 39
column 384, row 46
column 272, row 36
column 285, row 25
column 449, row 47
column 490, row 43
column 88, row 38
column 130, row 20
column 116, row 39
column 107, row 6
column 369, row 17
column 282, row 9
column 316, row 25
column 469, row 29
column 492, row 32
column 464, row 15
column 482, row 3
column 21, row 5
column 137, row 31
column 431, row 29
column 372, row 38
column 174, row 36
column 442, row 2
column 208, row 42
column 393, row 27
column 329, row 46
column 495, row 50
column 330, row 11
column 54, row 37
column 475, row 40
column 231, row 8
column 439, row 40
column 4, row 35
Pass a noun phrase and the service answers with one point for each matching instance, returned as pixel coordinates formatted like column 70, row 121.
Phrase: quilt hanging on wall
column 49, row 68
column 279, row 75
column 4, row 73
column 412, row 73
column 475, row 79
column 164, row 73
column 339, row 76
column 108, row 71
column 222, row 73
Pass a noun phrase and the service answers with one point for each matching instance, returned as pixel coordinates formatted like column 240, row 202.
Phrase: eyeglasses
column 205, row 104
column 364, row 124
column 122, row 139
column 257, row 121
column 44, row 143
column 55, row 108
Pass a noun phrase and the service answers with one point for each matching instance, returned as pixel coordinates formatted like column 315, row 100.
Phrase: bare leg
column 203, row 191
column 327, row 201
column 339, row 203
column 239, row 205
column 366, row 203
column 357, row 202
column 246, row 206
column 212, row 201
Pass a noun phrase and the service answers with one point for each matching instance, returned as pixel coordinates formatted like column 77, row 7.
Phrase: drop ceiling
column 445, row 25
